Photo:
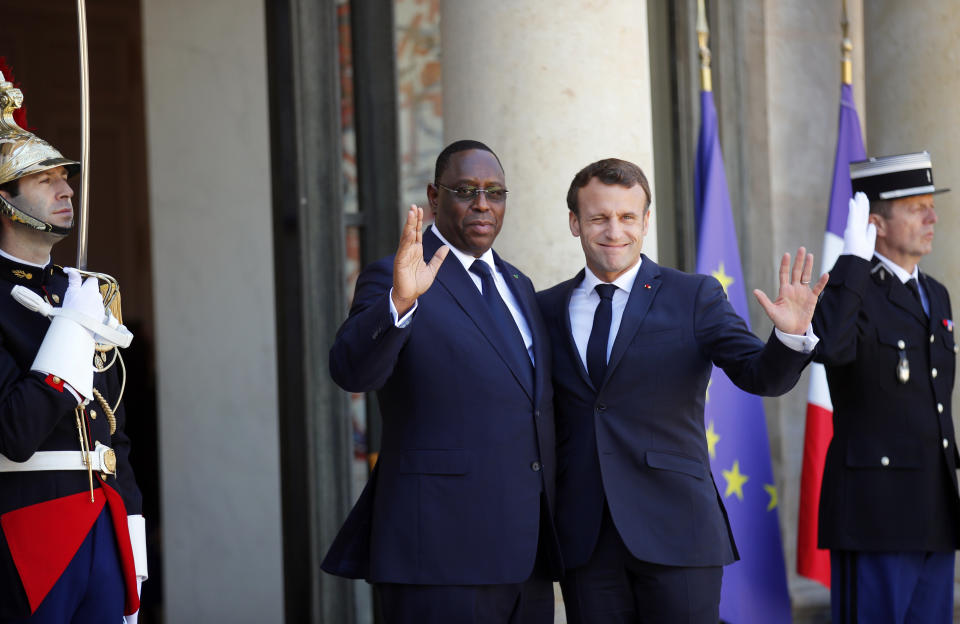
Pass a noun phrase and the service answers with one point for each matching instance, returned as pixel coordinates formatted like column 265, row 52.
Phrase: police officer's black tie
column 512, row 338
column 915, row 289
column 600, row 335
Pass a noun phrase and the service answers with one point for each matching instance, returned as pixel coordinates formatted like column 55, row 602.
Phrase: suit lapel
column 526, row 299
column 934, row 304
column 898, row 293
column 454, row 278
column 644, row 290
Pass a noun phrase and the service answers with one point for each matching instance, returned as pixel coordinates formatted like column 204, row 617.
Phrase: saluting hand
column 793, row 309
column 411, row 275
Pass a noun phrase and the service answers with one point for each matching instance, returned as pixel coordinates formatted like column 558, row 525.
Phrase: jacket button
column 601, row 406
column 939, row 408
column 884, row 461
column 535, row 466
column 932, row 338
column 946, row 443
column 933, row 373
column 536, row 413
column 901, row 344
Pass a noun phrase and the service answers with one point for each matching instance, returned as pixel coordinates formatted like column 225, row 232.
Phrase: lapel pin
column 647, row 286
column 516, row 276
column 948, row 323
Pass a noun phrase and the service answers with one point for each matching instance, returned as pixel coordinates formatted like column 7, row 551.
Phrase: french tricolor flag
column 813, row 562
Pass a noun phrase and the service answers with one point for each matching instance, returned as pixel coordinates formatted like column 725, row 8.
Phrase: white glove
column 137, row 528
column 138, row 540
column 84, row 298
column 67, row 348
column 860, row 236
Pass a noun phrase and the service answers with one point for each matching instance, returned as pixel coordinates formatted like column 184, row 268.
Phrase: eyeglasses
column 469, row 193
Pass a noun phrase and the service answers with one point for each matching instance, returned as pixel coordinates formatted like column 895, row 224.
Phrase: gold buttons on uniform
column 56, row 298
column 56, row 380
column 93, row 414
column 884, row 461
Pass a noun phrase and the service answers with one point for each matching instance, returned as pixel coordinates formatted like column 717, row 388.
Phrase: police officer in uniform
column 889, row 508
column 72, row 545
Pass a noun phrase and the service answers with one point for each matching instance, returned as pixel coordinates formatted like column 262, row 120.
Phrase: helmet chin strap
column 19, row 216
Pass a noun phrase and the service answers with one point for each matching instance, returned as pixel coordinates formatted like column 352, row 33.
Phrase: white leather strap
column 63, row 460
column 119, row 336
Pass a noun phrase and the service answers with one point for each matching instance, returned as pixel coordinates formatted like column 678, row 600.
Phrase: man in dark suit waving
column 642, row 529
column 455, row 522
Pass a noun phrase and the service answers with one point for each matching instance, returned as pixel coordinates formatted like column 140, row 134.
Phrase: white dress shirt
column 584, row 301
column 505, row 293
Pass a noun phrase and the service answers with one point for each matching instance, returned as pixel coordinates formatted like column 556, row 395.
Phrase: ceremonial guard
column 72, row 545
column 889, row 509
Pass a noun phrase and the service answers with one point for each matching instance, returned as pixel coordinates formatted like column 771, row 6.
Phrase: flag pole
column 703, row 36
column 846, row 48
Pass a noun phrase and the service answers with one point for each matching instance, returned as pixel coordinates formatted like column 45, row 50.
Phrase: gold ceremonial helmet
column 22, row 152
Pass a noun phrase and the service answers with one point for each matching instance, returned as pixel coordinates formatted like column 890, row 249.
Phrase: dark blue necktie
column 512, row 339
column 600, row 335
column 912, row 285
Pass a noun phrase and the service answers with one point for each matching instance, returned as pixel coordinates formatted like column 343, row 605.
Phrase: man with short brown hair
column 69, row 502
column 642, row 529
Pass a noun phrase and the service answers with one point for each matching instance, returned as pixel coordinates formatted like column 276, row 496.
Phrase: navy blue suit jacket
column 468, row 447
column 36, row 417
column 638, row 440
column 893, row 455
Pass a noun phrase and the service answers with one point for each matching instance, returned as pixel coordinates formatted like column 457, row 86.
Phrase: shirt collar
column 465, row 259
column 624, row 282
column 17, row 271
column 898, row 270
column 9, row 256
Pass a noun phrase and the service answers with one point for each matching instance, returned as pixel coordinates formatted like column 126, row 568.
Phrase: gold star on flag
column 735, row 480
column 772, row 491
column 712, row 439
column 722, row 277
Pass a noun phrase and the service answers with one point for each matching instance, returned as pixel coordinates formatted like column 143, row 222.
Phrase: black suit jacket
column 467, row 456
column 638, row 440
column 36, row 417
column 890, row 480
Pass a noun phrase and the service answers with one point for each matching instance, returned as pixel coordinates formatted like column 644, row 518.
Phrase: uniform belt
column 102, row 459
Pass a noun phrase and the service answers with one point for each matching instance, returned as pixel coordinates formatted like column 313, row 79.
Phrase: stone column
column 550, row 87
column 209, row 167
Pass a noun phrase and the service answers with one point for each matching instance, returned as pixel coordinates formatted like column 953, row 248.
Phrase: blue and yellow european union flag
column 754, row 588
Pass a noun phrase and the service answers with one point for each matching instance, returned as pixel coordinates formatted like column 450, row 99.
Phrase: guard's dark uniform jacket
column 37, row 416
column 890, row 481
